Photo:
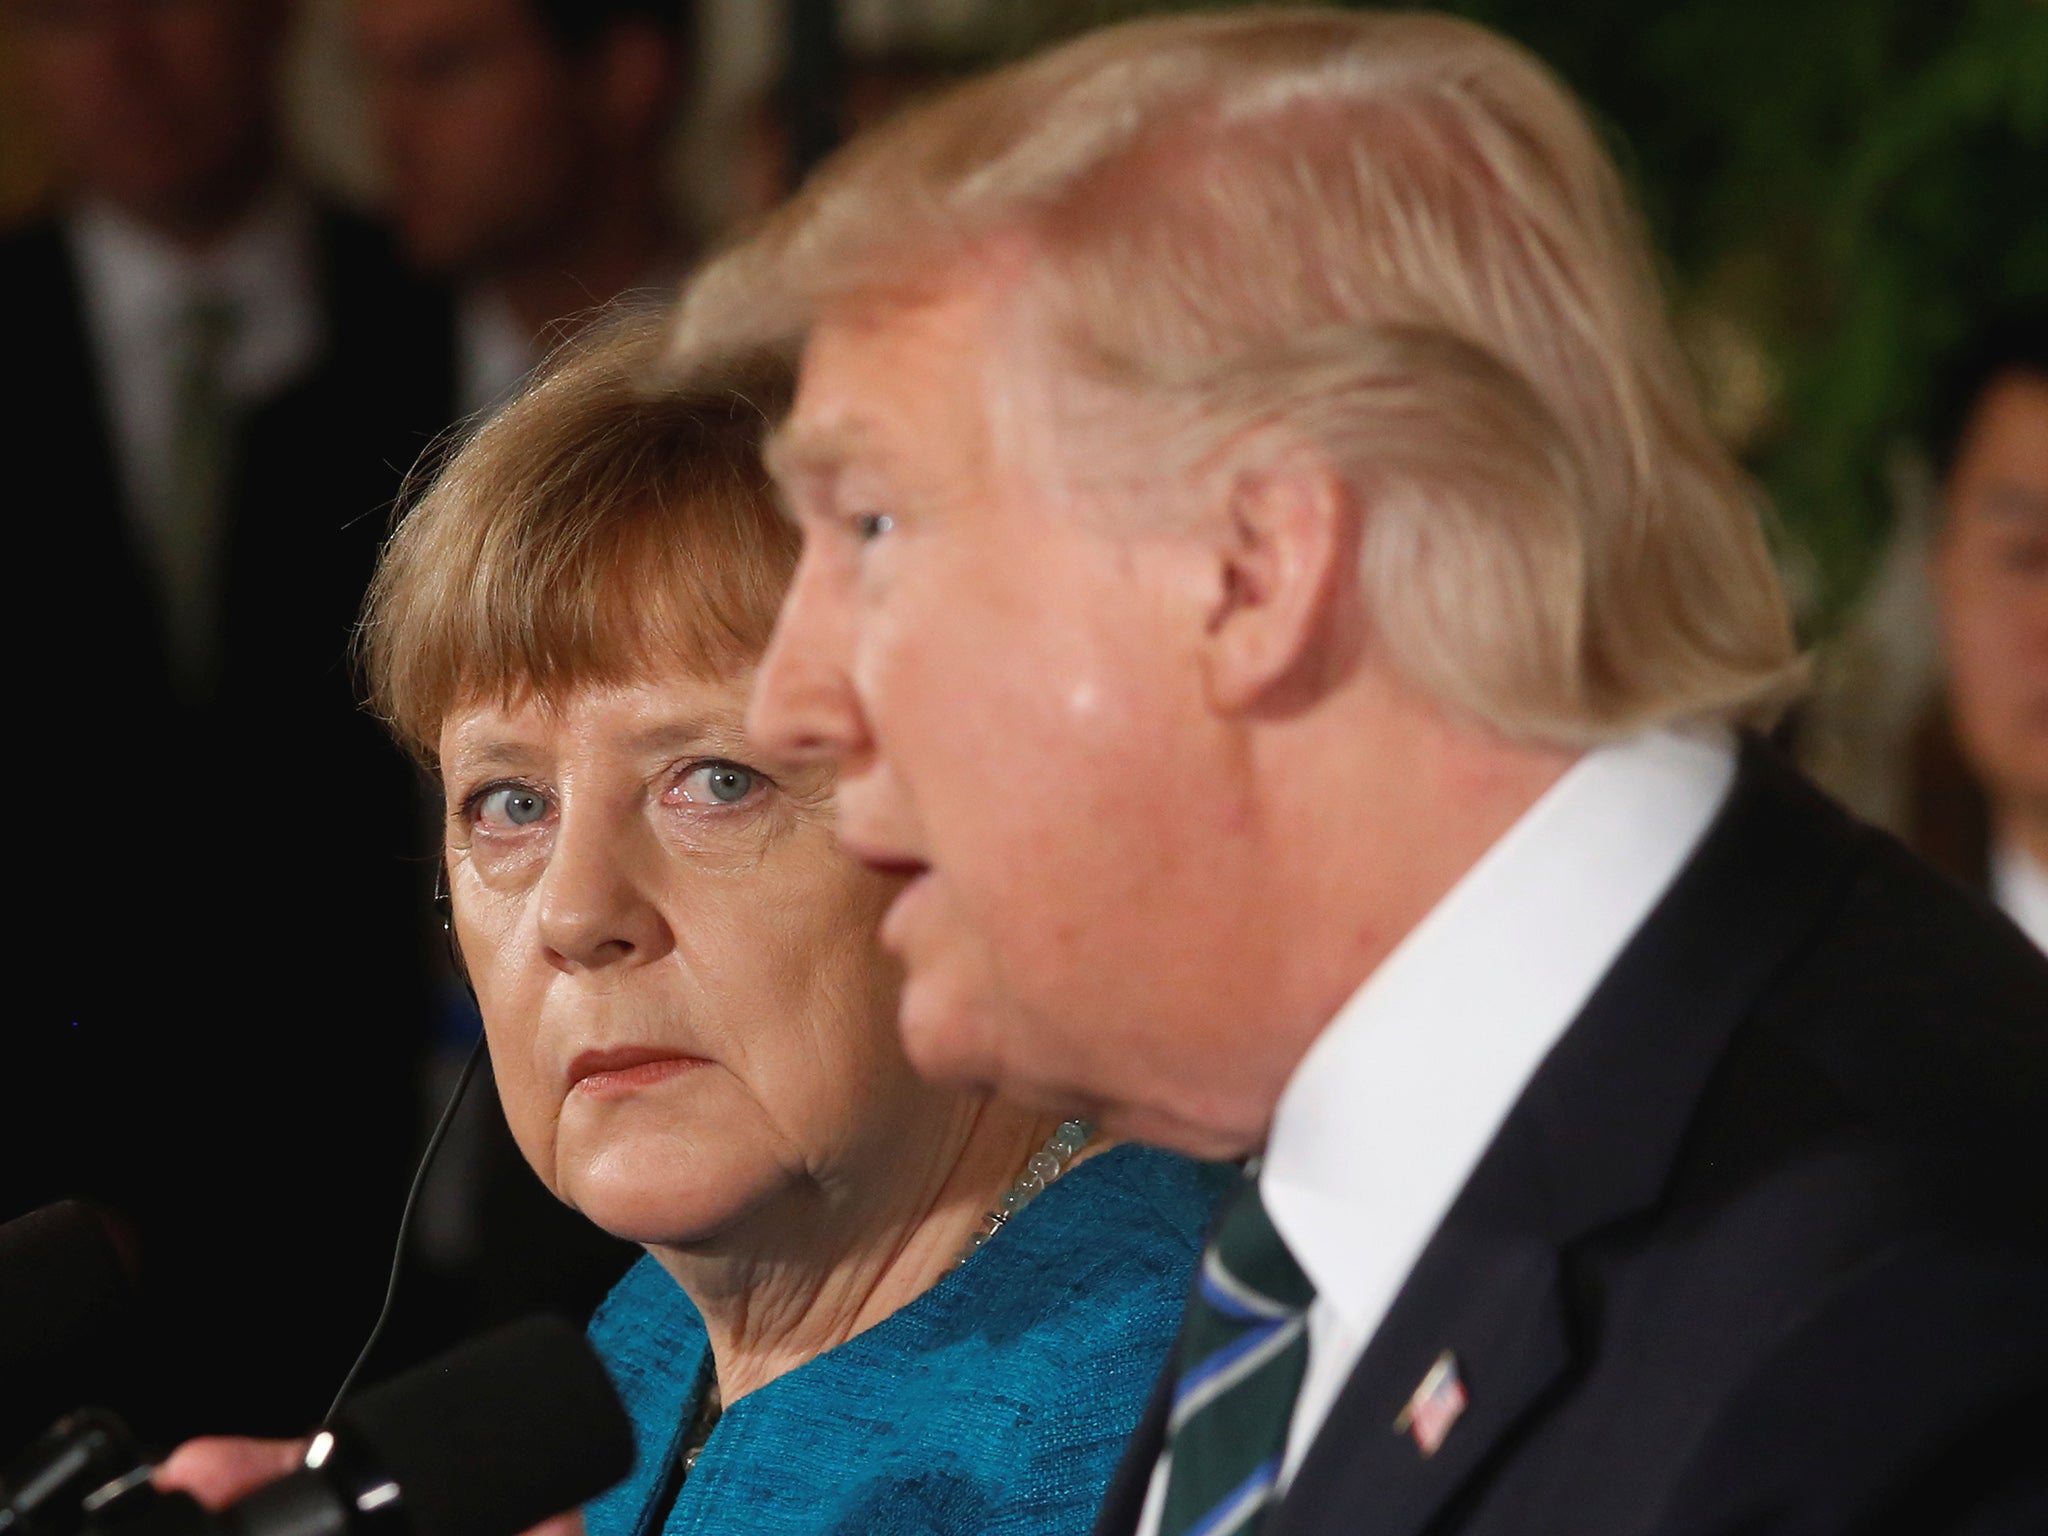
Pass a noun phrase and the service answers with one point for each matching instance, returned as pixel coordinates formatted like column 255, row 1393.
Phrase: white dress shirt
column 1388, row 1112
column 2019, row 884
column 138, row 288
column 493, row 352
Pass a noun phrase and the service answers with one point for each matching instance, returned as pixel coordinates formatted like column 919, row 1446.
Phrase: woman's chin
column 649, row 1201
column 648, row 1217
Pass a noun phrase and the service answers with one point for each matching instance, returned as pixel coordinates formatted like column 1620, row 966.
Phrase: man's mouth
column 887, row 861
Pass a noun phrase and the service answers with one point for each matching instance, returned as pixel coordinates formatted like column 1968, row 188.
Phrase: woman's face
column 689, row 1019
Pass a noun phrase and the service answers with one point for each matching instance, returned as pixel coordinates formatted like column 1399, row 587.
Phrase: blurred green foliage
column 1843, row 190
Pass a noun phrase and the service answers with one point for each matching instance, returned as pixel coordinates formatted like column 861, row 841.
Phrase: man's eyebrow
column 794, row 451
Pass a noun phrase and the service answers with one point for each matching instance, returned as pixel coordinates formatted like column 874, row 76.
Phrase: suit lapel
column 1487, row 1291
column 1591, row 1141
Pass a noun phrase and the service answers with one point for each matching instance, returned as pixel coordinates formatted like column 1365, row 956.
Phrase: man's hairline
column 1008, row 302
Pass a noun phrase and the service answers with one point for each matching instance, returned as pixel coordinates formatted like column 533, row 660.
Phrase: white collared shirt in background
column 138, row 289
column 494, row 352
column 1389, row 1111
column 2019, row 884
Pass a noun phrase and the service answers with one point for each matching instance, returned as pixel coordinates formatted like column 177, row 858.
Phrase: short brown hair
column 611, row 520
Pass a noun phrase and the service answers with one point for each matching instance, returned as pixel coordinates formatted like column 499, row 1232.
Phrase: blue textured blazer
column 998, row 1401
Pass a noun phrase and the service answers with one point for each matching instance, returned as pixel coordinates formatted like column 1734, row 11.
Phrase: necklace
column 1046, row 1165
column 709, row 1408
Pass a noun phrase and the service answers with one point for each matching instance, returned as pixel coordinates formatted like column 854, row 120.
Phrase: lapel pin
column 1433, row 1407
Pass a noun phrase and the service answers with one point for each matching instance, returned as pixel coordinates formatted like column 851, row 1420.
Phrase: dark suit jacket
column 225, row 1000
column 1763, row 1246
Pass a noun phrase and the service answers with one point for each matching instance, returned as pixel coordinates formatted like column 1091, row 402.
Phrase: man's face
column 1992, row 573
column 483, row 124
column 160, row 106
column 1009, row 682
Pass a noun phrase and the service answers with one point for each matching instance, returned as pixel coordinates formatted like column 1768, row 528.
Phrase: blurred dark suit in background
column 219, row 385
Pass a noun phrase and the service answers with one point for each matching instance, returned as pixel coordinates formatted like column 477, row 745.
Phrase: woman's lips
column 623, row 1071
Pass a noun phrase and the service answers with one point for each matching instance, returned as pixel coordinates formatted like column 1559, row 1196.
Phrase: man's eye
column 872, row 525
column 510, row 805
column 718, row 783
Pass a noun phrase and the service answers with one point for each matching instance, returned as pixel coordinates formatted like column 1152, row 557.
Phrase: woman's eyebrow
column 477, row 760
column 687, row 735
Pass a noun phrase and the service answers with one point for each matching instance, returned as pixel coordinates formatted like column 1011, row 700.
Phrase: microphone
column 45, row 1491
column 486, row 1440
column 67, row 1304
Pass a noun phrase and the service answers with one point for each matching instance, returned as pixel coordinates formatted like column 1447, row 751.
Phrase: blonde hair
column 611, row 522
column 1392, row 236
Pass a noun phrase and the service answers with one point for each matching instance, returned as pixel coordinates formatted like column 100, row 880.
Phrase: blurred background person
column 525, row 148
column 219, row 378
column 1979, row 800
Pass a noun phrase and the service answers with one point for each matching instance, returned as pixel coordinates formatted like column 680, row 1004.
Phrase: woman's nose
column 596, row 909
column 803, row 704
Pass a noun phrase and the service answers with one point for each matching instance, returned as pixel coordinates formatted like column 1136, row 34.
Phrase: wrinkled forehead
column 948, row 377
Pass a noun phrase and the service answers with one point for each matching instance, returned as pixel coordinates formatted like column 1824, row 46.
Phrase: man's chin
column 947, row 1040
column 966, row 1038
column 1174, row 1133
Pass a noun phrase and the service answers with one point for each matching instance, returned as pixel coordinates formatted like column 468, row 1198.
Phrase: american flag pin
column 1433, row 1407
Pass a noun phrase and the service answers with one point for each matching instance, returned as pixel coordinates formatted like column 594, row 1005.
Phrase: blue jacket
column 996, row 1402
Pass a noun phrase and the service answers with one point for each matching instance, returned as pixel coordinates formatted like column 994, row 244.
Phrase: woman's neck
column 830, row 1265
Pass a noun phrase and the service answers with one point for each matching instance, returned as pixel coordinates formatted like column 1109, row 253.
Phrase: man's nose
column 804, row 705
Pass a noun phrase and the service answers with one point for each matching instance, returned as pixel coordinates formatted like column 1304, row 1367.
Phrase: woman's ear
column 1285, row 569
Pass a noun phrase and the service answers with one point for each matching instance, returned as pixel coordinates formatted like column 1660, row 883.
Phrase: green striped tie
column 1243, row 1347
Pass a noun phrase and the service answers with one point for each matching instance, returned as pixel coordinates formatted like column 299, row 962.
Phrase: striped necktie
column 1243, row 1347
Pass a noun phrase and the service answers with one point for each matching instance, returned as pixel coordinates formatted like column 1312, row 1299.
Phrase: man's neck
column 1466, row 803
column 1407, row 802
column 837, row 1263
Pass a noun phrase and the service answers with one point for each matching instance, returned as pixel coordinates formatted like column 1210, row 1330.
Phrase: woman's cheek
column 509, row 983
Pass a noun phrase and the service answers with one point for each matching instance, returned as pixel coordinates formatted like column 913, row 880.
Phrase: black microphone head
column 496, row 1435
column 67, row 1303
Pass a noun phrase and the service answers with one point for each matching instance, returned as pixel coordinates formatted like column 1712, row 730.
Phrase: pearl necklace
column 1046, row 1165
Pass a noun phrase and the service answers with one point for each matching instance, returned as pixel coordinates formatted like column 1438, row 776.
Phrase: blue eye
column 719, row 783
column 512, row 805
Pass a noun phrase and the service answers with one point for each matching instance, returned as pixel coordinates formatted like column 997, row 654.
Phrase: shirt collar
column 2019, row 884
column 1392, row 1106
column 141, row 284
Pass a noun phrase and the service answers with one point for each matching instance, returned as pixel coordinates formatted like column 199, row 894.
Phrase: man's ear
column 1285, row 568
